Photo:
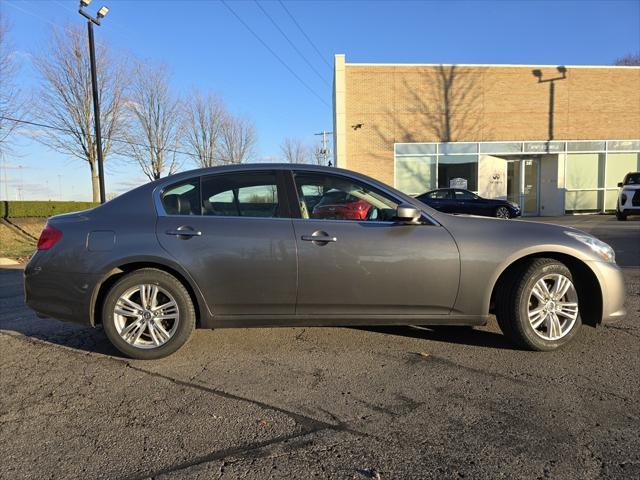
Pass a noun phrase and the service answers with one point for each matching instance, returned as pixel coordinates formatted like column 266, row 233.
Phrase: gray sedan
column 292, row 245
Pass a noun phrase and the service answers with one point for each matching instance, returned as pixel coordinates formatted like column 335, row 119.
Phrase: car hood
column 631, row 187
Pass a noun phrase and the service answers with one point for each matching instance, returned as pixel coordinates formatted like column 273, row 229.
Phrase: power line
column 265, row 45
column 304, row 33
column 293, row 45
column 119, row 140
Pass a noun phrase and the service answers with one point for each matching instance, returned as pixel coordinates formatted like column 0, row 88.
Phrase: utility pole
column 94, row 84
column 324, row 151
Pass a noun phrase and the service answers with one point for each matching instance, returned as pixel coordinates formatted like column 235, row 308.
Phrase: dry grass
column 17, row 246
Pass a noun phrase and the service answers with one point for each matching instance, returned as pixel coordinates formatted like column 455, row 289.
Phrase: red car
column 340, row 205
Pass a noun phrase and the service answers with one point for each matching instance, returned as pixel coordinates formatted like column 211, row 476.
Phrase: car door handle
column 184, row 233
column 318, row 238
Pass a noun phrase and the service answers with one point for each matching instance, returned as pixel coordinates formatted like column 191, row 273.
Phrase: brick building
column 553, row 139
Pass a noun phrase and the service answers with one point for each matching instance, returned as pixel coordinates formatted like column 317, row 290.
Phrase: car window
column 182, row 198
column 439, row 195
column 247, row 194
column 332, row 197
column 464, row 195
column 633, row 179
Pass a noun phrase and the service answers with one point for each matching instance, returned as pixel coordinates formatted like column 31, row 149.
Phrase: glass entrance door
column 523, row 178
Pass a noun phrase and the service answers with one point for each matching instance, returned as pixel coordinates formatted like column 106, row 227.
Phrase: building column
column 339, row 113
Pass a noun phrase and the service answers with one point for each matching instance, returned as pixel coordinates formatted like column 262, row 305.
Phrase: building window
column 415, row 175
column 452, row 169
column 584, row 178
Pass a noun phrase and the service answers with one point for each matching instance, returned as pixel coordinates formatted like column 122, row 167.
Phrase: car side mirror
column 407, row 213
column 619, row 184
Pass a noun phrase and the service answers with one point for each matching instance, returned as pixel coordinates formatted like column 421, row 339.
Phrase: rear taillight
column 49, row 237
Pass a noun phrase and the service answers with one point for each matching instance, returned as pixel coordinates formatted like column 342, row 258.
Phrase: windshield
column 633, row 179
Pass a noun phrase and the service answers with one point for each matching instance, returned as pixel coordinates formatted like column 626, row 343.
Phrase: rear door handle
column 184, row 233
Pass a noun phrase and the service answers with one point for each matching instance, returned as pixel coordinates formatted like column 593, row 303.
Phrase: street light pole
column 94, row 87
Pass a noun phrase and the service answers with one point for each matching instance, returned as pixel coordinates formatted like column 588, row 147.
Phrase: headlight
column 600, row 248
column 515, row 205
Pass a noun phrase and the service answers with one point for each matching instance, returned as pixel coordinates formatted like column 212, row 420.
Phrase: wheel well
column 118, row 272
column 586, row 282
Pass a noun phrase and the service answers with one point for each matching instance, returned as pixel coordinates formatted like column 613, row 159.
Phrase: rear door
column 233, row 234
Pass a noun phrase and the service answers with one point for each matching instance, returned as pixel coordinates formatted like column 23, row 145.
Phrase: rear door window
column 246, row 194
column 182, row 198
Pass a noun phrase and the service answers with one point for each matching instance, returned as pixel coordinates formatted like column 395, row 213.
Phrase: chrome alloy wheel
column 553, row 307
column 146, row 316
column 502, row 212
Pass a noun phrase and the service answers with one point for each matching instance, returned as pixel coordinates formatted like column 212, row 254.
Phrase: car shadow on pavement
column 448, row 334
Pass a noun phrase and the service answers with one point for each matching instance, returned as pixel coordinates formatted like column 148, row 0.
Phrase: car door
column 233, row 234
column 374, row 266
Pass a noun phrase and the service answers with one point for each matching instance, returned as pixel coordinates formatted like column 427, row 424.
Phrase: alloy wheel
column 553, row 307
column 502, row 212
column 146, row 316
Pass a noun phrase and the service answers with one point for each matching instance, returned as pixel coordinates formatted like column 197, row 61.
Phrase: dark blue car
column 458, row 200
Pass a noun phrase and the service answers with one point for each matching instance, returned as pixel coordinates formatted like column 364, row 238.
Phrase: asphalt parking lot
column 398, row 402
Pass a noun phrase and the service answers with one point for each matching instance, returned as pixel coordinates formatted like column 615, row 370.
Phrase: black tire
column 512, row 303
column 620, row 216
column 185, row 325
column 499, row 212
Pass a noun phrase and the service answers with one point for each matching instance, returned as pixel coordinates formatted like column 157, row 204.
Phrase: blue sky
column 206, row 47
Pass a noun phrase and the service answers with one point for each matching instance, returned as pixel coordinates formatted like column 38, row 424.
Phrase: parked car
column 340, row 205
column 458, row 200
column 238, row 246
column 628, row 196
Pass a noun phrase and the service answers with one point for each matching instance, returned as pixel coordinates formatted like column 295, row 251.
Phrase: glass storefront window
column 544, row 147
column 458, row 166
column 584, row 170
column 585, row 146
column 619, row 164
column 415, row 174
column 624, row 145
column 415, row 149
column 510, row 147
column 583, row 201
column 447, row 148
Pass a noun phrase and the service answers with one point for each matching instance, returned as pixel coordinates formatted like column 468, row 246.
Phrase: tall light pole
column 94, row 86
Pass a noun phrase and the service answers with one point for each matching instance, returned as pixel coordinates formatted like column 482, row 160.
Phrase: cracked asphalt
column 399, row 402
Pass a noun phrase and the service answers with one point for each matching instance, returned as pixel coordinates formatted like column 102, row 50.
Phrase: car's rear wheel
column 537, row 307
column 148, row 314
column 502, row 212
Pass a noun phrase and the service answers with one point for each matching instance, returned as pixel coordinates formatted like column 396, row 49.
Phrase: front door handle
column 184, row 232
column 318, row 238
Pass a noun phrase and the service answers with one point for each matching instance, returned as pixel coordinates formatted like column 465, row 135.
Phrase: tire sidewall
column 175, row 288
column 523, row 324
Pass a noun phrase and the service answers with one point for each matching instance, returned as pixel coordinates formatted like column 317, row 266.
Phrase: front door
column 235, row 239
column 357, row 260
column 522, row 184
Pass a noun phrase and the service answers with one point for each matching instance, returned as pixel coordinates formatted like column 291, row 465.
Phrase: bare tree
column 629, row 60
column 153, row 122
column 238, row 140
column 203, row 125
column 64, row 98
column 10, row 104
column 295, row 151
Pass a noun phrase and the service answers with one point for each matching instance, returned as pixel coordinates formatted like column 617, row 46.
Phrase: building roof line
column 487, row 65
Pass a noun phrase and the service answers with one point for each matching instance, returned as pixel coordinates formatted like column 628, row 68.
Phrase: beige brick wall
column 462, row 103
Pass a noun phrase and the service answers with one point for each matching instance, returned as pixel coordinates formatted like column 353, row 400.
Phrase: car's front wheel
column 620, row 215
column 502, row 212
column 148, row 314
column 537, row 307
